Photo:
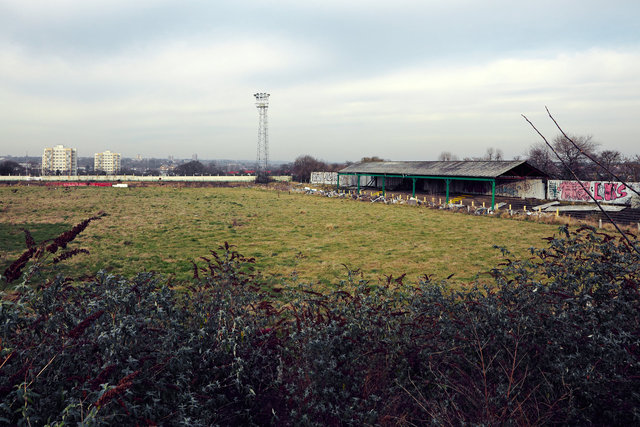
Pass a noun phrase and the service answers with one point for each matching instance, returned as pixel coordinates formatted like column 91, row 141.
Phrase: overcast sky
column 402, row 79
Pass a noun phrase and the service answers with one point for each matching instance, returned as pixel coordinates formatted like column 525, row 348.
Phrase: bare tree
column 335, row 167
column 493, row 154
column 572, row 155
column 630, row 168
column 610, row 161
column 193, row 167
column 304, row 165
column 9, row 167
column 447, row 156
column 282, row 169
column 566, row 167
column 371, row 159
column 541, row 157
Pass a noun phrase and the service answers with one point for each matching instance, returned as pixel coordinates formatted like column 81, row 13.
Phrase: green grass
column 12, row 236
column 314, row 238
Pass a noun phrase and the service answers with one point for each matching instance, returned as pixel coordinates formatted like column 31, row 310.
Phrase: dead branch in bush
column 38, row 253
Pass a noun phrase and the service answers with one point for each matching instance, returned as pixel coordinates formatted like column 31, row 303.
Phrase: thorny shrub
column 38, row 256
column 554, row 339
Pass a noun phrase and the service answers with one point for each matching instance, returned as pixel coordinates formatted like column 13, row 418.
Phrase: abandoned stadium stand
column 513, row 178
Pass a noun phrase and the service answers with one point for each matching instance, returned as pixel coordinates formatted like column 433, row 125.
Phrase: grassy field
column 164, row 228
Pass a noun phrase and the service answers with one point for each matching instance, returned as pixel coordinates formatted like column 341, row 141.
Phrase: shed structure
column 478, row 177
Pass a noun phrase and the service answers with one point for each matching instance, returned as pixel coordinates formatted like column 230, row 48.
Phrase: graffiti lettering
column 570, row 190
column 621, row 192
column 608, row 194
column 507, row 190
column 330, row 178
column 605, row 191
column 553, row 190
column 527, row 188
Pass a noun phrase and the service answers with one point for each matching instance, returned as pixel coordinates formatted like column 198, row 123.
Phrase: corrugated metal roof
column 477, row 169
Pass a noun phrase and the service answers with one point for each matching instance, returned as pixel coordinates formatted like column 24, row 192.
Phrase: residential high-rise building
column 59, row 160
column 107, row 162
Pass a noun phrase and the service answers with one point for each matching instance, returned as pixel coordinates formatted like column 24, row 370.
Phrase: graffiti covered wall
column 328, row 178
column 528, row 188
column 331, row 178
column 603, row 191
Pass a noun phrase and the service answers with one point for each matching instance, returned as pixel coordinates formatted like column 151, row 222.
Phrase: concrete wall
column 526, row 189
column 135, row 178
column 603, row 191
column 325, row 178
column 331, row 178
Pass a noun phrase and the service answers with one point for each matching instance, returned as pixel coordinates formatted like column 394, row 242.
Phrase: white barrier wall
column 603, row 191
column 135, row 178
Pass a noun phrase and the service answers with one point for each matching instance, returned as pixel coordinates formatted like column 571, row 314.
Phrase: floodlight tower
column 262, row 103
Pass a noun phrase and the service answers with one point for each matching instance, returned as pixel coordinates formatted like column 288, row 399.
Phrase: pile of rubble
column 411, row 201
column 547, row 210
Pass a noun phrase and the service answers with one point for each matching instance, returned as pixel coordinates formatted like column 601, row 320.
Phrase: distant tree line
column 543, row 158
column 302, row 167
column 195, row 167
column 492, row 154
column 9, row 167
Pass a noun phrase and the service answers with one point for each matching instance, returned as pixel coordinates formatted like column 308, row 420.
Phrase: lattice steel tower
column 262, row 102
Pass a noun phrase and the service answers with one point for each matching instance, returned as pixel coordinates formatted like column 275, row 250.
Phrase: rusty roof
column 474, row 168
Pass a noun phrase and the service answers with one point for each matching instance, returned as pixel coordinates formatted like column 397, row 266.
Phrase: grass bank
column 314, row 238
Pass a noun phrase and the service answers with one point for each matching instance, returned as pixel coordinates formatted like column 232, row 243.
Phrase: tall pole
column 262, row 103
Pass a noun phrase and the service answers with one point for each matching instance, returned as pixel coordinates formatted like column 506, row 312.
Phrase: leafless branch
column 582, row 185
column 587, row 155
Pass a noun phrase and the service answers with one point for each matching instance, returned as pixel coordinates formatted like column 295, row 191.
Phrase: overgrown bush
column 553, row 340
column 120, row 351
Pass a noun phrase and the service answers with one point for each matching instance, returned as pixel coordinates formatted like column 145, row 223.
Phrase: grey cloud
column 369, row 77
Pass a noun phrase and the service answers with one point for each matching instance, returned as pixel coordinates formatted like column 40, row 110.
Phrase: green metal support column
column 383, row 182
column 413, row 194
column 358, row 179
column 447, row 182
column 493, row 194
column 338, row 183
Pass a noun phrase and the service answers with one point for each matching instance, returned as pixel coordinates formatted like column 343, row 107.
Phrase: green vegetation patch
column 552, row 340
column 313, row 238
column 12, row 238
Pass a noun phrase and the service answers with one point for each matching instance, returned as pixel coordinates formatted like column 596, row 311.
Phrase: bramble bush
column 554, row 339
